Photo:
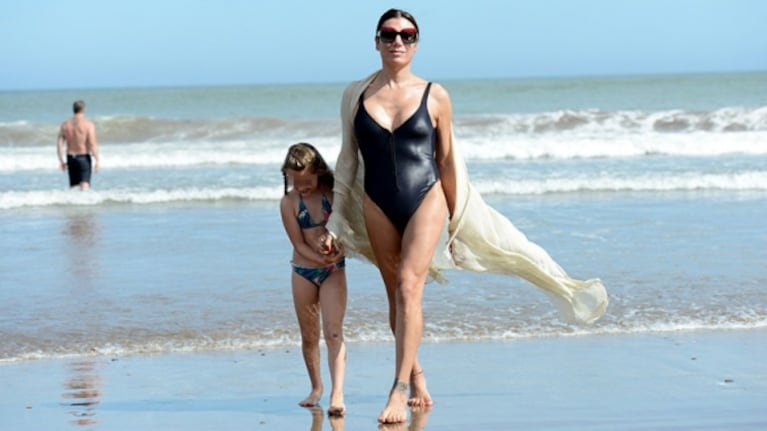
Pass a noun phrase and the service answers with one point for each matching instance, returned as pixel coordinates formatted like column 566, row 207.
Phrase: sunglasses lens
column 387, row 36
column 408, row 36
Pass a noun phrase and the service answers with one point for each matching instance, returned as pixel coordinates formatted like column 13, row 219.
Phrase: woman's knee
column 410, row 289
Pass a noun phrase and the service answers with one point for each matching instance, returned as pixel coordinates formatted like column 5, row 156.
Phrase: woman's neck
column 391, row 77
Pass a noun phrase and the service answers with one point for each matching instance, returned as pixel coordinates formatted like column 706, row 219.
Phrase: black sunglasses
column 409, row 36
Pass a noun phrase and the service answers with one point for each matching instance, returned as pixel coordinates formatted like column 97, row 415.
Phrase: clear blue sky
column 101, row 43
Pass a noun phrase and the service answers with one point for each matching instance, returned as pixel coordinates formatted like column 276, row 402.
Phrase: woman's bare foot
column 337, row 406
column 396, row 408
column 418, row 420
column 313, row 399
column 419, row 395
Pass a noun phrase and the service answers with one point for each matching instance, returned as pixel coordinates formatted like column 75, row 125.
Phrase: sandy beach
column 673, row 381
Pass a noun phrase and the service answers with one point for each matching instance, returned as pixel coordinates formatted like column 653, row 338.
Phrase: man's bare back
column 77, row 132
column 77, row 142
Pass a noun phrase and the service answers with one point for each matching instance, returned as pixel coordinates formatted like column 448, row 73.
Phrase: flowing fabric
column 478, row 238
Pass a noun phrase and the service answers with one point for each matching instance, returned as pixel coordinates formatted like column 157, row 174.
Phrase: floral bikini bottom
column 318, row 275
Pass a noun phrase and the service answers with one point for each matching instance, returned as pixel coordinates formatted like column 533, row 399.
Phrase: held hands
column 330, row 247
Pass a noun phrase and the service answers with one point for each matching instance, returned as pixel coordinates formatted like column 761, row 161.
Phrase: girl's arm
column 295, row 234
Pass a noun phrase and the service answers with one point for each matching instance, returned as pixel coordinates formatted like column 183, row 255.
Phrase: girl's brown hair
column 304, row 156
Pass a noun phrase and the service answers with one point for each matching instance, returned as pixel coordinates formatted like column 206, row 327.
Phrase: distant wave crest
column 138, row 129
column 594, row 121
column 657, row 182
column 43, row 198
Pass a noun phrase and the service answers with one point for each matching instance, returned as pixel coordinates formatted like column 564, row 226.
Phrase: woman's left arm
column 443, row 117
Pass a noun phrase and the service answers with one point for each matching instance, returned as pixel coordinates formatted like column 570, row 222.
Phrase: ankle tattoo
column 399, row 386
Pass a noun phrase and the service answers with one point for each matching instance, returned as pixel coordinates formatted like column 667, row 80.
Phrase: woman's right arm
column 345, row 171
column 445, row 145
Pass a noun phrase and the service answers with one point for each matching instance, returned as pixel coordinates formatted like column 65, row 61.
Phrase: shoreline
column 682, row 380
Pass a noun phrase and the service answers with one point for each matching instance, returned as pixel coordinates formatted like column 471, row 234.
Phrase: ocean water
column 655, row 184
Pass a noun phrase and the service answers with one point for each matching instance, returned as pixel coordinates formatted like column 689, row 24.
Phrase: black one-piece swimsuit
column 400, row 165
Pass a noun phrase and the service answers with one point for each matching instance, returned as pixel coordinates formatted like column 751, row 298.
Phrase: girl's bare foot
column 396, row 408
column 313, row 399
column 419, row 395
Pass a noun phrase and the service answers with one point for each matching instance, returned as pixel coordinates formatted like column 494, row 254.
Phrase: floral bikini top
column 305, row 219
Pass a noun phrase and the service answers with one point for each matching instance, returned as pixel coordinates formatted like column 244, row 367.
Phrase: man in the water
column 82, row 150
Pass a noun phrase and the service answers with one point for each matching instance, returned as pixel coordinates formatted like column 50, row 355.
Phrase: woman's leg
column 333, row 306
column 419, row 394
column 410, row 257
column 306, row 303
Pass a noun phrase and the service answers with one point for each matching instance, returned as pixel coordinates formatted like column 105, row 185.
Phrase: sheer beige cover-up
column 478, row 237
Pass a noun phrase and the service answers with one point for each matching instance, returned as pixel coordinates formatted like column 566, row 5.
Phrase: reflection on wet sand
column 82, row 390
column 82, row 393
column 336, row 423
column 418, row 418
column 82, row 232
column 318, row 415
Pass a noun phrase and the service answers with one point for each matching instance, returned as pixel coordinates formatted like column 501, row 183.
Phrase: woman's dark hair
column 397, row 13
column 302, row 156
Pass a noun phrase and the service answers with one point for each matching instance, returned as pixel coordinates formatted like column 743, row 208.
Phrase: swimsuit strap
column 327, row 207
column 305, row 218
column 425, row 96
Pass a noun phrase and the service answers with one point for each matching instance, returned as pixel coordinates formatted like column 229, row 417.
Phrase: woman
column 408, row 189
column 401, row 126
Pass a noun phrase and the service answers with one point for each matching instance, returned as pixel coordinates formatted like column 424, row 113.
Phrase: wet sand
column 672, row 381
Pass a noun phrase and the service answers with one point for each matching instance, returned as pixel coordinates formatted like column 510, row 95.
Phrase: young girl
column 318, row 278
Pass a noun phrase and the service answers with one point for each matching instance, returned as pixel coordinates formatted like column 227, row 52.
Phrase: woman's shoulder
column 356, row 85
column 439, row 91
column 439, row 100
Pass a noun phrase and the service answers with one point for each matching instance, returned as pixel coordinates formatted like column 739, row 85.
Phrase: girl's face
column 304, row 182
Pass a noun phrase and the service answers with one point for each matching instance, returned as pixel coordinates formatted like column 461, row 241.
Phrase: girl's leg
column 306, row 303
column 333, row 306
